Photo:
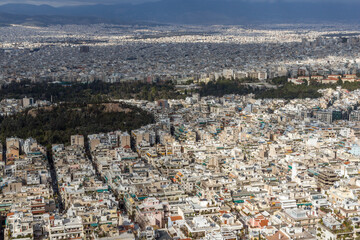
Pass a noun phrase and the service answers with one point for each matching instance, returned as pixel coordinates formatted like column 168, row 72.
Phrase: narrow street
column 89, row 156
column 55, row 186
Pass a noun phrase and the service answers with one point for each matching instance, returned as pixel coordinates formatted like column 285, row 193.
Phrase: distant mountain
column 45, row 20
column 195, row 12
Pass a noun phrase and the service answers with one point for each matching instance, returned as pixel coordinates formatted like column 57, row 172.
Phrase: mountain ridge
column 198, row 12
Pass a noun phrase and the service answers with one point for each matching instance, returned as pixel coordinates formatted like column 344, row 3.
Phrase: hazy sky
column 81, row 2
column 73, row 2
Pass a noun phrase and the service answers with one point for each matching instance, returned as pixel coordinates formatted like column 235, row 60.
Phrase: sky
column 73, row 2
column 87, row 2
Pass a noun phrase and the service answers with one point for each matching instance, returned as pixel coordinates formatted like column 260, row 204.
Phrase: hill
column 193, row 12
column 58, row 123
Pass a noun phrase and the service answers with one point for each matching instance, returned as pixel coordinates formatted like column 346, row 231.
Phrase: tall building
column 354, row 116
column 262, row 75
column 228, row 73
column 140, row 135
column 294, row 172
column 125, row 140
column 13, row 148
column 77, row 140
column 26, row 102
column 327, row 178
column 324, row 116
column 163, row 103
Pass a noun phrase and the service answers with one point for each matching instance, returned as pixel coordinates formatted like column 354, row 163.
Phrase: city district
column 233, row 167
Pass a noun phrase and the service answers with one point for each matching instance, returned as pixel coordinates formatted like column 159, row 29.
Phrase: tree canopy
column 94, row 92
column 56, row 124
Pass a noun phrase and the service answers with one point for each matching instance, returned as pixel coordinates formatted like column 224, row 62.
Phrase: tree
column 280, row 80
column 339, row 82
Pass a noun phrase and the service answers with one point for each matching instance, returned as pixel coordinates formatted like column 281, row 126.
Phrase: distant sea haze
column 188, row 12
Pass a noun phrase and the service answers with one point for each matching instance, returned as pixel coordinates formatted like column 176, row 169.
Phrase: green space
column 56, row 124
column 292, row 91
column 94, row 92
column 284, row 90
column 224, row 86
column 97, row 91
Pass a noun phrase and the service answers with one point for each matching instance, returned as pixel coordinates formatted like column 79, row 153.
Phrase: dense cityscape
column 179, row 53
column 180, row 132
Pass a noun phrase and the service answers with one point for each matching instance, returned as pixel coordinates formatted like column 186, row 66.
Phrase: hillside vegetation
column 58, row 123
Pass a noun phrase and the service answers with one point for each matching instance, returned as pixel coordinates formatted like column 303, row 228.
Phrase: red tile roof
column 175, row 218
